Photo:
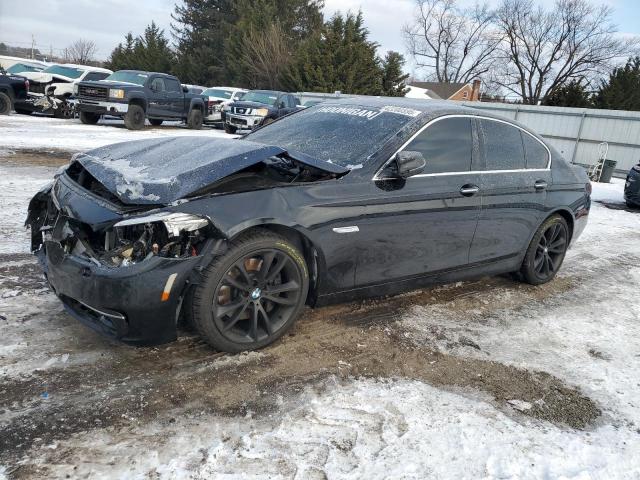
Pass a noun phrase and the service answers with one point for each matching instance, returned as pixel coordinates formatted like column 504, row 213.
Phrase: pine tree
column 393, row 79
column 572, row 94
column 622, row 90
column 340, row 57
column 200, row 28
column 152, row 51
column 266, row 36
column 122, row 57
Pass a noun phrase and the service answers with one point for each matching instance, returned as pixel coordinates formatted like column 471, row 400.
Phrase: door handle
column 469, row 190
column 540, row 185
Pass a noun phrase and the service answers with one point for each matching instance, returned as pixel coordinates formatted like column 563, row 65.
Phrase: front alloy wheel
column 252, row 294
column 546, row 251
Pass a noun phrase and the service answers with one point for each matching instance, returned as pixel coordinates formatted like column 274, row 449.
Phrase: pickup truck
column 136, row 96
column 13, row 88
column 257, row 108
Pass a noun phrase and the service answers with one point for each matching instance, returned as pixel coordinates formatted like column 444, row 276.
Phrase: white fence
column 575, row 132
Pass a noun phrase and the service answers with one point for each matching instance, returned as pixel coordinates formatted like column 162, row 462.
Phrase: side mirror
column 185, row 90
column 282, row 105
column 410, row 163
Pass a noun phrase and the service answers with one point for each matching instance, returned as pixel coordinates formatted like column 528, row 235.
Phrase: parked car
column 345, row 200
column 257, row 108
column 135, row 96
column 217, row 98
column 12, row 88
column 52, row 89
column 632, row 187
column 15, row 65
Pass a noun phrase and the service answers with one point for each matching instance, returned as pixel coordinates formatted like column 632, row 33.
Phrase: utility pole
column 33, row 46
column 50, row 53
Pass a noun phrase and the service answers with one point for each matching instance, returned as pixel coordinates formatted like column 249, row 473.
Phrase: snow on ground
column 587, row 334
column 37, row 132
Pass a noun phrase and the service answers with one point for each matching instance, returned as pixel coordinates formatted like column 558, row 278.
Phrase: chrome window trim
column 471, row 172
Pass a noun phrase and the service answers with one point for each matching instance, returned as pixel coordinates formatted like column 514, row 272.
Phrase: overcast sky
column 57, row 23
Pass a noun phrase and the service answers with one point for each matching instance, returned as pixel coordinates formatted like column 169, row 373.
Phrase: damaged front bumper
column 139, row 304
column 136, row 300
column 101, row 107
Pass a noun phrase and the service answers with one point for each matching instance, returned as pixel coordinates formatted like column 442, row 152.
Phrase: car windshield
column 346, row 135
column 218, row 93
column 128, row 77
column 267, row 98
column 69, row 72
column 21, row 67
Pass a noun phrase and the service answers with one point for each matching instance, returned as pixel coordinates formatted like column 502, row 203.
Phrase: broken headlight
column 175, row 222
column 163, row 234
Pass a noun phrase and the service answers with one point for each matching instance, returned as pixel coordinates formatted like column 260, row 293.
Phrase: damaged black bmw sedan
column 341, row 201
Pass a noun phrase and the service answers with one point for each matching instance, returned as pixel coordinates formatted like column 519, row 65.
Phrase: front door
column 426, row 223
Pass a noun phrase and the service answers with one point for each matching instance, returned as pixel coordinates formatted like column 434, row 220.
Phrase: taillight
column 587, row 188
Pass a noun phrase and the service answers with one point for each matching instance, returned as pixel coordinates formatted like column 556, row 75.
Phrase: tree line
column 271, row 44
column 532, row 53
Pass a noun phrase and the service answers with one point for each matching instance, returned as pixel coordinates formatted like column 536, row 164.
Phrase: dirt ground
column 63, row 379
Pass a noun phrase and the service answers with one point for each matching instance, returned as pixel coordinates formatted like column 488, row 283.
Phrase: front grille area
column 85, row 91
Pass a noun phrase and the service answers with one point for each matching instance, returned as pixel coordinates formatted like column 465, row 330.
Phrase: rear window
column 535, row 153
column 346, row 135
column 503, row 147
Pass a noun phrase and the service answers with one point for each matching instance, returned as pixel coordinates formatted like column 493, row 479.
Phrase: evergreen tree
column 393, row 80
column 152, row 51
column 266, row 36
column 622, row 90
column 200, row 28
column 340, row 57
column 122, row 57
column 572, row 94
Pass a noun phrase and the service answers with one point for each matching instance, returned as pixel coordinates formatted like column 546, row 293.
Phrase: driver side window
column 157, row 85
column 446, row 145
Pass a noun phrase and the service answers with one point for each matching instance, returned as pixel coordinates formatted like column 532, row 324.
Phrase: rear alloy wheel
column 252, row 294
column 5, row 104
column 546, row 251
column 195, row 119
column 89, row 118
column 134, row 118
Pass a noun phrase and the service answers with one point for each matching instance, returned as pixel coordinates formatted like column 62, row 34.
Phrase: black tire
column 230, row 129
column 5, row 104
column 632, row 205
column 546, row 251
column 134, row 118
column 65, row 110
column 156, row 122
column 234, row 307
column 195, row 119
column 89, row 118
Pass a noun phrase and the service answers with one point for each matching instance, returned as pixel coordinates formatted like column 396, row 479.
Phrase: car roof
column 149, row 73
column 81, row 67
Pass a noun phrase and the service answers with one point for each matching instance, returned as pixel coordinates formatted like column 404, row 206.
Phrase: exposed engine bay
column 139, row 232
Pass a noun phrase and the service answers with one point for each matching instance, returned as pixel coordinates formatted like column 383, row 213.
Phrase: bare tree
column 545, row 49
column 454, row 44
column 81, row 52
column 266, row 54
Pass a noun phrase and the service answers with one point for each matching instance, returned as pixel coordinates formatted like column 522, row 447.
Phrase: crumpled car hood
column 161, row 171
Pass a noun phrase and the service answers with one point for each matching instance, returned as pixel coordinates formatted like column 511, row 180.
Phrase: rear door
column 426, row 223
column 514, row 182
